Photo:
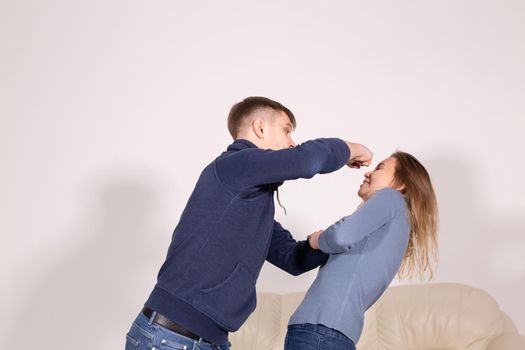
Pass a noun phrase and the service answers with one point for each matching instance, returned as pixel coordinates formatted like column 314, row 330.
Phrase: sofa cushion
column 434, row 316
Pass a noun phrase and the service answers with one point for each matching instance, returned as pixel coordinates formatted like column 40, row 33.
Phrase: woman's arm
column 382, row 207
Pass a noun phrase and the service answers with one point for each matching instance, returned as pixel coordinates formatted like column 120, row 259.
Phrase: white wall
column 109, row 110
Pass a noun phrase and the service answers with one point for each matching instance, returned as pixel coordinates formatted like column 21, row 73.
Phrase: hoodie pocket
column 230, row 302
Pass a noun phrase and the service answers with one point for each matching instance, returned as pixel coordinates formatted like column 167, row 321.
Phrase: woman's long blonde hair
column 422, row 250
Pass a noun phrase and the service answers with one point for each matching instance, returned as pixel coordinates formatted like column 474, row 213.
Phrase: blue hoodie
column 227, row 231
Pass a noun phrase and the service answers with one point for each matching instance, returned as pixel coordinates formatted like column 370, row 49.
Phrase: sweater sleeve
column 292, row 256
column 254, row 166
column 376, row 212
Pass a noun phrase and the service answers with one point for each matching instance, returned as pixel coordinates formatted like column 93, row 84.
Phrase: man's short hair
column 241, row 111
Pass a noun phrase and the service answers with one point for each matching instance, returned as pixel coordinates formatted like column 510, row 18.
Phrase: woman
column 393, row 231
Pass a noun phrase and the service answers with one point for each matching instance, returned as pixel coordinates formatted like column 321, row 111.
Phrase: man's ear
column 258, row 128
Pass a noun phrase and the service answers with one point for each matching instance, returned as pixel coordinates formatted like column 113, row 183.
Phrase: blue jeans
column 316, row 337
column 146, row 335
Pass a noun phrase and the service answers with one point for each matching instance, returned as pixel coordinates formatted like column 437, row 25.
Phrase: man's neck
column 250, row 138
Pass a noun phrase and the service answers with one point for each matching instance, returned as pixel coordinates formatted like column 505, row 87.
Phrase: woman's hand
column 313, row 239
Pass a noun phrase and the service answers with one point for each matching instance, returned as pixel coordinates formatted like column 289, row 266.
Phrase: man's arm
column 292, row 256
column 254, row 166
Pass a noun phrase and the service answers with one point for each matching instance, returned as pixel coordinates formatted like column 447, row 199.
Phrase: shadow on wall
column 476, row 246
column 89, row 299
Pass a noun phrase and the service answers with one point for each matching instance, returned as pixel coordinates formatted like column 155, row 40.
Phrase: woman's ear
column 258, row 128
column 401, row 188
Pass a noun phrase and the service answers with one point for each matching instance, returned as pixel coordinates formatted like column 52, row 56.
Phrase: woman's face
column 381, row 177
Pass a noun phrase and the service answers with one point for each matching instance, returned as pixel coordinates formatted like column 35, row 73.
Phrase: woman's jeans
column 316, row 337
column 145, row 335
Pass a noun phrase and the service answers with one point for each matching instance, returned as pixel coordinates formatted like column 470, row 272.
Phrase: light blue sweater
column 366, row 250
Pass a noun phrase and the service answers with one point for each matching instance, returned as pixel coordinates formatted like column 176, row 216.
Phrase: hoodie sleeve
column 254, row 166
column 382, row 207
column 292, row 256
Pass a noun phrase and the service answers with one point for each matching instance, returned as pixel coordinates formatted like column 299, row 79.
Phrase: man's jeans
column 145, row 335
column 316, row 337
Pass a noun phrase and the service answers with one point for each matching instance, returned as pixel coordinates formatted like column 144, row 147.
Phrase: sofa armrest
column 507, row 341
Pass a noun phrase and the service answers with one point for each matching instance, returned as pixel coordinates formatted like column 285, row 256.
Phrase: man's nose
column 292, row 144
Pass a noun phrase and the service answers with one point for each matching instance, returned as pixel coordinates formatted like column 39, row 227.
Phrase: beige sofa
column 436, row 316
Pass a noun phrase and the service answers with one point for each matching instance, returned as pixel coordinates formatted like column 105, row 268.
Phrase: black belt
column 169, row 324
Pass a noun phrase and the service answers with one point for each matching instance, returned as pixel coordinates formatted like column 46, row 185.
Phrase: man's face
column 278, row 132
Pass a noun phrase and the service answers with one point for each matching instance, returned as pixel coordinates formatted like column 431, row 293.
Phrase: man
column 206, row 286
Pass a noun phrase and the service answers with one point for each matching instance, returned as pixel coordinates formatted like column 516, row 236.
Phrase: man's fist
column 360, row 155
